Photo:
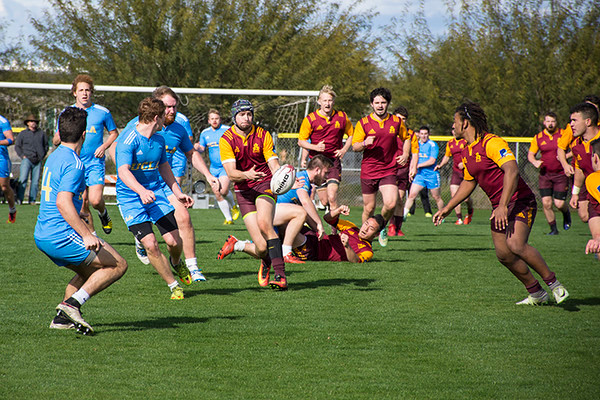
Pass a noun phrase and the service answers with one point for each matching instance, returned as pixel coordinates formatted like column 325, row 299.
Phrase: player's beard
column 169, row 119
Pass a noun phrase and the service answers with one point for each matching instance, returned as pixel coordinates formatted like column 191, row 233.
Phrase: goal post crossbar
column 149, row 89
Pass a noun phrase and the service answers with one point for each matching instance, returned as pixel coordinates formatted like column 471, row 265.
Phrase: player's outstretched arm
column 464, row 190
column 314, row 220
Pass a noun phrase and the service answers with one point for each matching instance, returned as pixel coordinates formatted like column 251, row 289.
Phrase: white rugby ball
column 283, row 179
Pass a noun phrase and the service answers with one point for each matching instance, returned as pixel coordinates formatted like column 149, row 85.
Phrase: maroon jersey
column 253, row 150
column 379, row 159
column 582, row 159
column 592, row 184
column 547, row 144
column 454, row 150
column 331, row 130
column 482, row 160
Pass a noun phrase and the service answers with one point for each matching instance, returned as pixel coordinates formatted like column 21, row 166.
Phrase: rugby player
column 489, row 162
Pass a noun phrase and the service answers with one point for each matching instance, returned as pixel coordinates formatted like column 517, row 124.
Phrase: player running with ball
column 489, row 162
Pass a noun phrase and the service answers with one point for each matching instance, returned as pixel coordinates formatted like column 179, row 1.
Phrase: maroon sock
column 276, row 255
column 459, row 216
column 536, row 287
column 398, row 221
column 551, row 279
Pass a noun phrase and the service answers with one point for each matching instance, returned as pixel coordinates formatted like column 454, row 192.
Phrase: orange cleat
column 400, row 233
column 468, row 219
column 227, row 248
column 279, row 283
column 292, row 259
column 12, row 217
column 263, row 274
column 392, row 230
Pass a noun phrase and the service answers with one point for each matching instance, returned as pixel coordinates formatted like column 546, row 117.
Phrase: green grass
column 432, row 317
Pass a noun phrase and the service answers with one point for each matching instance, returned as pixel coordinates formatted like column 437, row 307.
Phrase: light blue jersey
column 179, row 164
column 209, row 139
column 292, row 195
column 4, row 126
column 63, row 172
column 98, row 118
column 5, row 164
column 428, row 150
column 143, row 156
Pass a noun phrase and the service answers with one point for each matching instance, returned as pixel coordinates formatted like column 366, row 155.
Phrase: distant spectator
column 31, row 146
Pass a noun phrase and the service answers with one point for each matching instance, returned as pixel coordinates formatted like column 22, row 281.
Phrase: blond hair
column 327, row 89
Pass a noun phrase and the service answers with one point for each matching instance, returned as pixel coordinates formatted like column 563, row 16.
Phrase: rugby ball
column 283, row 179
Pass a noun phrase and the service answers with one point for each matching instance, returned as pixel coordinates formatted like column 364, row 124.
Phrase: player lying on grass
column 592, row 183
column 63, row 236
column 351, row 243
column 489, row 162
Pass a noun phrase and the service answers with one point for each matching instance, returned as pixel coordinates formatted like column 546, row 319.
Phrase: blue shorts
column 94, row 171
column 430, row 181
column 135, row 212
column 67, row 250
column 218, row 172
column 179, row 165
column 5, row 167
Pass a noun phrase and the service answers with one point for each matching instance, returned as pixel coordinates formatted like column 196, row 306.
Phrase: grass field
column 432, row 317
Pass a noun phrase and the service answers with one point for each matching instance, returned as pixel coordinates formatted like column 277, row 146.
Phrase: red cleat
column 263, row 274
column 292, row 259
column 279, row 283
column 468, row 219
column 400, row 233
column 12, row 217
column 392, row 230
column 227, row 248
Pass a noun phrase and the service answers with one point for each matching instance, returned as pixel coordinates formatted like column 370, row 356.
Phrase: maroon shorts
column 402, row 178
column 370, row 186
column 524, row 211
column 593, row 208
column 554, row 183
column 247, row 198
column 457, row 178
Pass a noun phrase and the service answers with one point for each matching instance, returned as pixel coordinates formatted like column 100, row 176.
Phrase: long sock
column 276, row 255
column 81, row 296
column 225, row 209
column 191, row 263
column 553, row 226
column 534, row 288
column 407, row 211
column 551, row 281
column 459, row 216
column 398, row 221
column 286, row 249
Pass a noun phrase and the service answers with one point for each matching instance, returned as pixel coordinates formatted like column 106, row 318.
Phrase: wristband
column 576, row 190
column 10, row 141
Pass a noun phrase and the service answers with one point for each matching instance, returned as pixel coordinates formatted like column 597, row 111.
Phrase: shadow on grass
column 452, row 249
column 362, row 284
column 157, row 323
column 573, row 304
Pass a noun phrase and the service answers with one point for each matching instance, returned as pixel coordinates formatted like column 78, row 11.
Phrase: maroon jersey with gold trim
column 582, row 154
column 379, row 159
column 482, row 160
column 592, row 184
column 318, row 128
column 454, row 150
column 547, row 144
column 253, row 150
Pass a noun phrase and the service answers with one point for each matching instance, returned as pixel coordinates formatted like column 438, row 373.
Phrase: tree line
column 518, row 58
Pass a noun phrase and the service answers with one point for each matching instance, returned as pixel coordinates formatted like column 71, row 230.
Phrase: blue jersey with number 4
column 63, row 172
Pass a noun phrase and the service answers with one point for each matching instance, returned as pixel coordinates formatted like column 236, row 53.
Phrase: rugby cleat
column 182, row 271
column 227, row 248
column 468, row 219
column 392, row 230
column 399, row 233
column 560, row 294
column 106, row 222
column 459, row 222
column 383, row 238
column 263, row 274
column 537, row 300
column 428, row 215
column 177, row 293
column 197, row 275
column 12, row 217
column 74, row 315
column 566, row 221
column 227, row 222
column 291, row 258
column 278, row 283
column 140, row 252
column 235, row 212
column 60, row 321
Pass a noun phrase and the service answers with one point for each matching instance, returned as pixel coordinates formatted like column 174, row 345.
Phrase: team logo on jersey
column 543, row 143
column 392, row 129
column 503, row 153
column 237, row 149
column 337, row 124
column 477, row 157
column 372, row 132
column 256, row 148
column 319, row 128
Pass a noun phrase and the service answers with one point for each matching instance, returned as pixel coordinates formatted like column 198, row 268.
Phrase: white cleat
column 536, row 300
column 197, row 276
column 560, row 294
column 383, row 237
column 140, row 252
